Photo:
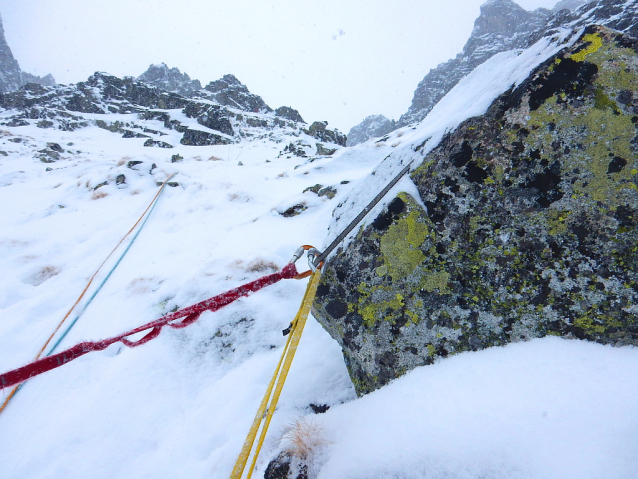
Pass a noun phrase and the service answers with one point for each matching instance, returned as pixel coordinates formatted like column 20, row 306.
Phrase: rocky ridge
column 222, row 113
column 502, row 25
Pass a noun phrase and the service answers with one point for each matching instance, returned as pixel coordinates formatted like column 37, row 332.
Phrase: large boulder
column 530, row 227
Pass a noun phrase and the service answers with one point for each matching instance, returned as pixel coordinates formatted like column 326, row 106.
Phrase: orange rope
column 13, row 391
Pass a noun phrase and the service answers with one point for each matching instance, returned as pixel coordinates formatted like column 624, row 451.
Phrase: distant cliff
column 11, row 76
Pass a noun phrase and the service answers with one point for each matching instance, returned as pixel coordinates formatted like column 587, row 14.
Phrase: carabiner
column 313, row 254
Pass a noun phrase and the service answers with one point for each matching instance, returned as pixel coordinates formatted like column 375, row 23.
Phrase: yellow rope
column 268, row 403
column 15, row 389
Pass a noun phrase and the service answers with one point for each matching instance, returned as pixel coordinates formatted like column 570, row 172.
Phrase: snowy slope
column 181, row 405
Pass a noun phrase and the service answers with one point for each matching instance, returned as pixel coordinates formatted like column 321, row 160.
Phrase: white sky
column 334, row 60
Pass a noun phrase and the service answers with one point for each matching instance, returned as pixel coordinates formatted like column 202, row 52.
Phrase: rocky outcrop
column 229, row 91
column 373, row 126
column 170, row 79
column 320, row 131
column 11, row 76
column 289, row 114
column 529, row 229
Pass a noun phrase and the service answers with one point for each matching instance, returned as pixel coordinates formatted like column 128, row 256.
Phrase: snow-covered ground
column 181, row 405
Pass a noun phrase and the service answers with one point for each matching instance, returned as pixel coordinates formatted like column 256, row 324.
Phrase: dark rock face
column 202, row 138
column 530, row 229
column 11, row 76
column 170, row 79
column 210, row 116
column 229, row 91
column 373, row 126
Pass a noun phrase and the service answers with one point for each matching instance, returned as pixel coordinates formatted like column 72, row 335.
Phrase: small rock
column 240, row 164
column 133, row 163
column 323, row 151
column 319, row 408
column 120, row 180
column 315, row 189
column 55, row 147
column 47, row 156
column 104, row 183
column 155, row 143
column 294, row 211
column 328, row 191
column 173, row 184
column 176, row 157
column 16, row 140
column 286, row 466
column 4, row 153
column 44, row 124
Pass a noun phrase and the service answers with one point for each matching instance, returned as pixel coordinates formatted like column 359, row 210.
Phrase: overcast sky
column 334, row 60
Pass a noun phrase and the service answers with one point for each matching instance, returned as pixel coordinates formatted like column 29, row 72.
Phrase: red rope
column 189, row 315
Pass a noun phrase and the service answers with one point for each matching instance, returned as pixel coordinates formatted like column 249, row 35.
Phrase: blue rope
column 104, row 281
column 70, row 326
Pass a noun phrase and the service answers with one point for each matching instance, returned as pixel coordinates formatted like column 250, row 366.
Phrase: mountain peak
column 170, row 79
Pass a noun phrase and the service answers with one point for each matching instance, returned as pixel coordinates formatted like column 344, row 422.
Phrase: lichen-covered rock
column 531, row 227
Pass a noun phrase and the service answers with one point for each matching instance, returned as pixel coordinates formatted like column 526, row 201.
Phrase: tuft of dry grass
column 43, row 274
column 259, row 265
column 98, row 194
column 144, row 285
column 301, row 438
column 215, row 158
